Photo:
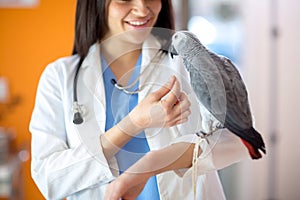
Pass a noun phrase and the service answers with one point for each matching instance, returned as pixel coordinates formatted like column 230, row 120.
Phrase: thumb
column 165, row 89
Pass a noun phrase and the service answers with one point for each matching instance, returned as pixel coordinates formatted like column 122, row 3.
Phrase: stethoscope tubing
column 77, row 118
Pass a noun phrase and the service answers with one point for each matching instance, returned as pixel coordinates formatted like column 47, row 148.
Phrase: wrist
column 129, row 126
column 138, row 119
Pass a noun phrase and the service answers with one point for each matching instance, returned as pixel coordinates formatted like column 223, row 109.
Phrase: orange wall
column 29, row 40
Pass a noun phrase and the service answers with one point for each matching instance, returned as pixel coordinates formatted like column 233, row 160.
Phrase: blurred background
column 261, row 37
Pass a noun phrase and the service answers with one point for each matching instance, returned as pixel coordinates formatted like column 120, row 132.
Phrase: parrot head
column 183, row 43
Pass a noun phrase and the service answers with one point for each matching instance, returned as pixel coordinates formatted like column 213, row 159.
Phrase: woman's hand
column 127, row 186
column 166, row 107
column 131, row 183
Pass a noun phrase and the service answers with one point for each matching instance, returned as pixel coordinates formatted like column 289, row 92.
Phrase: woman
column 136, row 142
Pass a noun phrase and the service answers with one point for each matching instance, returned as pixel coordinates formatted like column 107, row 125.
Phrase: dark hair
column 91, row 23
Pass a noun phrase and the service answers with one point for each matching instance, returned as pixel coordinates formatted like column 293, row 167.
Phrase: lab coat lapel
column 151, row 49
column 93, row 78
column 92, row 97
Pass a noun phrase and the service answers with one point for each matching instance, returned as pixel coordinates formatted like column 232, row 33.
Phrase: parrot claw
column 204, row 135
column 220, row 126
column 201, row 134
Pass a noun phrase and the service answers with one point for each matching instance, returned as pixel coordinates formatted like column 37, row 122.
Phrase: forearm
column 174, row 157
column 116, row 137
column 133, row 180
column 178, row 155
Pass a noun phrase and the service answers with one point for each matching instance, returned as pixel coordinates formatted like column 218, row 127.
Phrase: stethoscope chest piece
column 77, row 110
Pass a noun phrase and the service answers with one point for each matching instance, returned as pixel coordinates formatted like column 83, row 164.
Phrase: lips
column 138, row 23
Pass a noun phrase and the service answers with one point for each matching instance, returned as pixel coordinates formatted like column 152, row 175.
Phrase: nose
column 140, row 8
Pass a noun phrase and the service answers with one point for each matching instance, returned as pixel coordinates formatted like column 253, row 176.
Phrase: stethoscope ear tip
column 77, row 118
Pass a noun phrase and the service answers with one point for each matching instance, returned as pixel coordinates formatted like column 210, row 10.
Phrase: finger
column 174, row 94
column 184, row 102
column 186, row 114
column 183, row 117
column 178, row 121
column 107, row 193
column 180, row 118
column 114, row 196
column 183, row 105
column 165, row 89
column 183, row 96
column 181, row 121
column 111, row 192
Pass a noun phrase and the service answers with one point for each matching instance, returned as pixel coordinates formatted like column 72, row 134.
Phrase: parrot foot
column 220, row 126
column 204, row 135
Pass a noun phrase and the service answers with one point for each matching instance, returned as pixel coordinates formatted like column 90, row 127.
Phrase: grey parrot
column 219, row 87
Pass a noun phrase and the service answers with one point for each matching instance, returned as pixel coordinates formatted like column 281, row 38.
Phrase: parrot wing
column 238, row 113
column 224, row 94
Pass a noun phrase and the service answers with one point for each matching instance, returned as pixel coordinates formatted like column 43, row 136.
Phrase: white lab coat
column 67, row 159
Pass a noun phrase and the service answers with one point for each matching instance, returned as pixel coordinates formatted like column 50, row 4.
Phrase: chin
column 138, row 35
column 133, row 36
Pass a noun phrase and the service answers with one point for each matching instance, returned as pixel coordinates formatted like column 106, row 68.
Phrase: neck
column 117, row 49
column 121, row 57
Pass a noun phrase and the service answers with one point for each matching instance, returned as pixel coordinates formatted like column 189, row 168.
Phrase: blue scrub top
column 118, row 105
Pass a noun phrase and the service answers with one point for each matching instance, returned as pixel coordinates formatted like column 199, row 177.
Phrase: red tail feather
column 254, row 153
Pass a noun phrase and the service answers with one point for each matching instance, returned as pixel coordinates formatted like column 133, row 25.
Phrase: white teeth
column 137, row 23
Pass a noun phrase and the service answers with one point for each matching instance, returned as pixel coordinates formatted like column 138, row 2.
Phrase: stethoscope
column 77, row 112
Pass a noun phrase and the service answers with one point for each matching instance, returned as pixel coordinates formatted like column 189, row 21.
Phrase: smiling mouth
column 138, row 23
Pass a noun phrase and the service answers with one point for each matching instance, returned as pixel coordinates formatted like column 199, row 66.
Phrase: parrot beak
column 172, row 51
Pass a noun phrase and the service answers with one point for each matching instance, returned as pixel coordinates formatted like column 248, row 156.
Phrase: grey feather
column 219, row 87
